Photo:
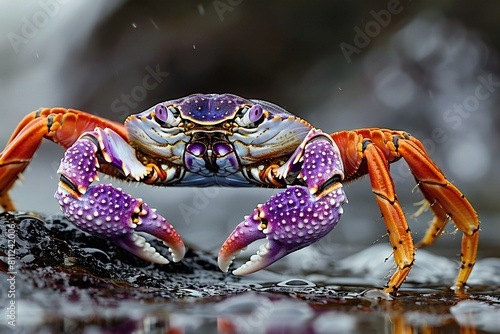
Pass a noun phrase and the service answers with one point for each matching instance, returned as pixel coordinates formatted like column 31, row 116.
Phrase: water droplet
column 296, row 283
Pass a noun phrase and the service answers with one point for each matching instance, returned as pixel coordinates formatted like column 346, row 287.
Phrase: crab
column 226, row 140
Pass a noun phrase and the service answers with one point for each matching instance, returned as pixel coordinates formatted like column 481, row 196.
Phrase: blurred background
column 430, row 68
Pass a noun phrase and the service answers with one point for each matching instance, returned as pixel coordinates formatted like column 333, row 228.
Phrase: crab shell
column 205, row 140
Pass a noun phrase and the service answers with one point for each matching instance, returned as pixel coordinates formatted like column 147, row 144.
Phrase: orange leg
column 62, row 126
column 447, row 202
column 394, row 217
column 15, row 158
column 364, row 152
column 437, row 225
column 370, row 151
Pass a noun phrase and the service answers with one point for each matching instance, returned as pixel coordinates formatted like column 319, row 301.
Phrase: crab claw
column 290, row 220
column 111, row 214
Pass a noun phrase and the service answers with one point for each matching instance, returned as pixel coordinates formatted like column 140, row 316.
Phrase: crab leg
column 62, row 126
column 16, row 156
column 296, row 217
column 439, row 222
column 394, row 217
column 371, row 151
column 105, row 211
column 447, row 202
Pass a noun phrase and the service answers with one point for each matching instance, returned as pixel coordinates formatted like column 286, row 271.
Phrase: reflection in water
column 326, row 309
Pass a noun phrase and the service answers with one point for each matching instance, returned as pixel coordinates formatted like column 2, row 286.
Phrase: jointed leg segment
column 447, row 202
column 370, row 151
column 60, row 125
column 394, row 217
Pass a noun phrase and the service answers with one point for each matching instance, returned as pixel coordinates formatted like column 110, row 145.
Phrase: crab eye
column 161, row 113
column 251, row 115
column 164, row 115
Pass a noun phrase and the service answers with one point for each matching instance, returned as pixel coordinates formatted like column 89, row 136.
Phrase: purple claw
column 290, row 220
column 298, row 216
column 107, row 212
column 111, row 214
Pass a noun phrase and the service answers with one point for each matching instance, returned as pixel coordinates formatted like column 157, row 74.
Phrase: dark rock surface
column 52, row 253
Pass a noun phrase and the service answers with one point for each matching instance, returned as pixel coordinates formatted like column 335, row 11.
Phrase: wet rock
column 486, row 272
column 376, row 262
column 52, row 253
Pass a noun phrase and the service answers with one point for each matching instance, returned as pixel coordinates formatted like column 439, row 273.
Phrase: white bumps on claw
column 173, row 253
column 254, row 260
column 225, row 267
column 146, row 247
